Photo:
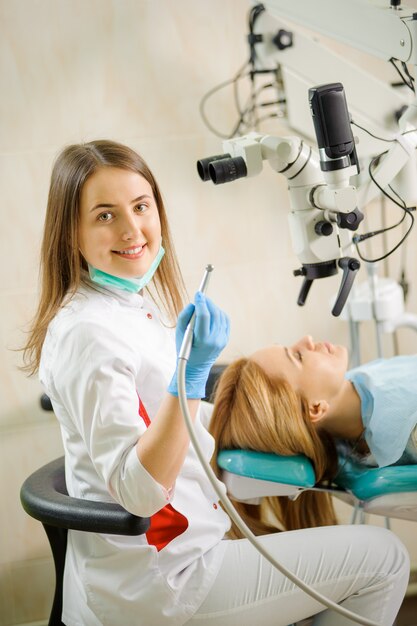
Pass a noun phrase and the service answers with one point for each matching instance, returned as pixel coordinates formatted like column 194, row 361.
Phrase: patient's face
column 316, row 370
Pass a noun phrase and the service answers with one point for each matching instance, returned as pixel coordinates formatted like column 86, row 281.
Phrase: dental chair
column 387, row 491
column 250, row 476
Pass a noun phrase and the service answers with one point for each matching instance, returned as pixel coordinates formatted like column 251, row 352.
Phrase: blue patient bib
column 388, row 393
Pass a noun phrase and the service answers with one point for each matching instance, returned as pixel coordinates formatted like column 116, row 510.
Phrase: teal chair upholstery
column 388, row 491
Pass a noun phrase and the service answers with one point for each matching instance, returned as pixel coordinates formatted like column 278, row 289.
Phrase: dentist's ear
column 318, row 410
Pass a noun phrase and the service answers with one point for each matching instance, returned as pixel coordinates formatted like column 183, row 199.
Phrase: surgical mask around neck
column 134, row 285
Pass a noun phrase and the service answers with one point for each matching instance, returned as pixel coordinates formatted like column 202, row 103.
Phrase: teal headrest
column 290, row 470
column 364, row 482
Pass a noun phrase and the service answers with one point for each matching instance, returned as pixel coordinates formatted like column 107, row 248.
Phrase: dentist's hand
column 211, row 334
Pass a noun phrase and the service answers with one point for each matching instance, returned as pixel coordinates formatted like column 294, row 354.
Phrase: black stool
column 44, row 496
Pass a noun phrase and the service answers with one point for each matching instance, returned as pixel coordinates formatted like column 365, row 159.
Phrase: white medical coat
column 106, row 363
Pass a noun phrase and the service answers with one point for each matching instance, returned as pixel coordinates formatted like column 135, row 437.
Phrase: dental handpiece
column 187, row 341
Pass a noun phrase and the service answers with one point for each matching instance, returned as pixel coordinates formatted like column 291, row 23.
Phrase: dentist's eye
column 105, row 217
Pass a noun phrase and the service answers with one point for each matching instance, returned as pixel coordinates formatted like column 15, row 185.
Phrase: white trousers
column 362, row 568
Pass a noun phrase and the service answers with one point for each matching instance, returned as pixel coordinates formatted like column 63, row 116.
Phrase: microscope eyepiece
column 221, row 168
column 203, row 165
column 227, row 170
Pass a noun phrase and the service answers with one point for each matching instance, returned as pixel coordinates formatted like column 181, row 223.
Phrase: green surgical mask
column 127, row 284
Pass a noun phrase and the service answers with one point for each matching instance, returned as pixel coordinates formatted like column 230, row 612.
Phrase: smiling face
column 315, row 370
column 119, row 226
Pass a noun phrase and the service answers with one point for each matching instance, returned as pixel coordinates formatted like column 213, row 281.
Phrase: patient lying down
column 302, row 400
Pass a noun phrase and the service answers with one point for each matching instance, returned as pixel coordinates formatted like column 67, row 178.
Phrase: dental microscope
column 323, row 203
column 330, row 187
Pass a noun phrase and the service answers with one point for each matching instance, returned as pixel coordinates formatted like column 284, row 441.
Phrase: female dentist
column 106, row 355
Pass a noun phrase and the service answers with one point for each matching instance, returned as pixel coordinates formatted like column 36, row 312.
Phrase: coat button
column 149, row 316
column 215, row 505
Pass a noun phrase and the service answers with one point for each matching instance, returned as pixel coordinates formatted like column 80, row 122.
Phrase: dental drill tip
column 206, row 278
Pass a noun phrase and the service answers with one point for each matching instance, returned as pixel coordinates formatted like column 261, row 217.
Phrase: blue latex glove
column 211, row 334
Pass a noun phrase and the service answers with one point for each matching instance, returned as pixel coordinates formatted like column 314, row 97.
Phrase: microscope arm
column 374, row 27
column 399, row 161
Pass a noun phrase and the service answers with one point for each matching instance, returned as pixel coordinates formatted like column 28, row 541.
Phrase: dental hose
column 183, row 357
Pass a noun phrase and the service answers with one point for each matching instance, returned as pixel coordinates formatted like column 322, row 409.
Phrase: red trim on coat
column 143, row 413
column 166, row 524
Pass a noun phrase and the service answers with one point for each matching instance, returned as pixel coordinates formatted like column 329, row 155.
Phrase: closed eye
column 294, row 356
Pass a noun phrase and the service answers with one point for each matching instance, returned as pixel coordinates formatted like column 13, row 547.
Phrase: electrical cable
column 384, row 235
column 183, row 356
column 249, row 109
column 247, row 116
column 410, row 78
column 237, row 103
column 404, row 80
column 360, row 238
column 401, row 204
column 393, row 140
column 243, row 113
column 407, row 211
column 239, row 75
column 371, row 134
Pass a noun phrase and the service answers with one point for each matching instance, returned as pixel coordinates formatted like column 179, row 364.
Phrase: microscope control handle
column 305, row 288
column 350, row 267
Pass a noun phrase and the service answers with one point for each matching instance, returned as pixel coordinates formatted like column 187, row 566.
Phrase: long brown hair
column 61, row 261
column 254, row 412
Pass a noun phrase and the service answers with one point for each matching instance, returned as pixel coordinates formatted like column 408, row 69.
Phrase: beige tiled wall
column 134, row 71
